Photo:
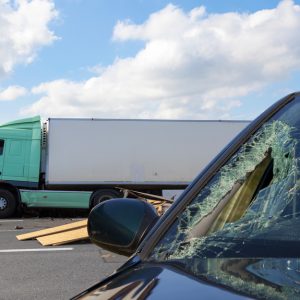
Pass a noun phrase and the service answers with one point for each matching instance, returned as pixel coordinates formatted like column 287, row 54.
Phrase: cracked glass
column 250, row 208
column 242, row 229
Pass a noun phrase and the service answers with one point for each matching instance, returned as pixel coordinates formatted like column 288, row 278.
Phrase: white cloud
column 12, row 93
column 23, row 30
column 193, row 65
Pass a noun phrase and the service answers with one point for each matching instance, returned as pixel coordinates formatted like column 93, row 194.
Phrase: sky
column 185, row 59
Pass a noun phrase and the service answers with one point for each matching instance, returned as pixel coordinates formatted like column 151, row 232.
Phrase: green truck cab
column 20, row 157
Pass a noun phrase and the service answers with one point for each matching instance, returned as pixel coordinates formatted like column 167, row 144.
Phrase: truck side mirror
column 119, row 225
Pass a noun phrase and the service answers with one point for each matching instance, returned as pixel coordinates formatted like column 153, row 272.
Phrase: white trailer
column 132, row 153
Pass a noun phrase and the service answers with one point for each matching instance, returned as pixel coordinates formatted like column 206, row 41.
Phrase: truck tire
column 8, row 204
column 103, row 195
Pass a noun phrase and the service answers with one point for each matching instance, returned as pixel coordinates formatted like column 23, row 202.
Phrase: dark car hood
column 204, row 279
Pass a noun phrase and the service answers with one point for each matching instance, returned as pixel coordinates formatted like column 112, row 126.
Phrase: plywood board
column 64, row 237
column 52, row 230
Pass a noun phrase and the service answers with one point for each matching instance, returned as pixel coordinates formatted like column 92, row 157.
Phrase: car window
column 251, row 205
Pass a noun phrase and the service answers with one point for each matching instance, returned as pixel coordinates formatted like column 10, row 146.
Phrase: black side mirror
column 119, row 225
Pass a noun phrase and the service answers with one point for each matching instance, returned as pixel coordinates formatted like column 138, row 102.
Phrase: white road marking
column 7, row 221
column 35, row 250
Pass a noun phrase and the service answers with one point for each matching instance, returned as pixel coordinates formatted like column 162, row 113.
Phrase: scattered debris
column 160, row 203
column 58, row 235
column 77, row 231
column 64, row 237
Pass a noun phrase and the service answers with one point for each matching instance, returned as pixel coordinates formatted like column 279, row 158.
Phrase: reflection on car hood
column 216, row 278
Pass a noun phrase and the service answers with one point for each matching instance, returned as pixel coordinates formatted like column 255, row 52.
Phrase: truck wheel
column 103, row 195
column 8, row 204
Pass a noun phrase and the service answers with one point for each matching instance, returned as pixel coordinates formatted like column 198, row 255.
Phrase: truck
column 78, row 163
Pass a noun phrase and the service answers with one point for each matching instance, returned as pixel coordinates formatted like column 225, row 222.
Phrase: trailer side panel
column 97, row 151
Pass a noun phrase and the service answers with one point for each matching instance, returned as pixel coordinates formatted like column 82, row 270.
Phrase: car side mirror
column 119, row 225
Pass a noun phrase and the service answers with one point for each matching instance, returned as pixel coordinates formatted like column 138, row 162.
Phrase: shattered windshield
column 250, row 207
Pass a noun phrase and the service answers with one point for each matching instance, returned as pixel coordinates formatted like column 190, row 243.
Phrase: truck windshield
column 250, row 206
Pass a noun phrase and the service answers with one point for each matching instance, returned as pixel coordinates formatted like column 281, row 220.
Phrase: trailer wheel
column 103, row 195
column 8, row 204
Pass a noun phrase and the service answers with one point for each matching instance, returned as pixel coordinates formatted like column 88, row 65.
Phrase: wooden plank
column 64, row 237
column 52, row 230
column 146, row 195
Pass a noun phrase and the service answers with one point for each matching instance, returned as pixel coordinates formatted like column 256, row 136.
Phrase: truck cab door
column 1, row 157
column 15, row 154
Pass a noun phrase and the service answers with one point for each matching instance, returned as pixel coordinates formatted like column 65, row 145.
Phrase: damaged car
column 233, row 234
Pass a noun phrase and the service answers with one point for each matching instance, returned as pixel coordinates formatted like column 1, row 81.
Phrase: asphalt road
column 31, row 271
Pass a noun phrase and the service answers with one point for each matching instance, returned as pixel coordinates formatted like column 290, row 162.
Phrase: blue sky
column 105, row 59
